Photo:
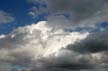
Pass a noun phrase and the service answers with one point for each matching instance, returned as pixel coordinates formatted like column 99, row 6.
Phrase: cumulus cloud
column 42, row 47
column 29, row 46
column 5, row 17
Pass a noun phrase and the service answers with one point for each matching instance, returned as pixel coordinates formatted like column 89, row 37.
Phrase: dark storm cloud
column 80, row 12
column 72, row 66
column 80, row 9
column 96, row 42
column 66, row 63
column 96, row 46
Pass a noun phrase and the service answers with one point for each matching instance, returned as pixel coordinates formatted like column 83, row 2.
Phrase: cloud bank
column 39, row 47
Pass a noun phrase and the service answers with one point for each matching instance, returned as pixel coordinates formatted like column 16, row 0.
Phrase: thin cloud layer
column 5, row 17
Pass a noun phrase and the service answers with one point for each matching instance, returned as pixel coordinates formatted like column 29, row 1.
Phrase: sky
column 18, row 10
column 26, row 12
column 49, row 35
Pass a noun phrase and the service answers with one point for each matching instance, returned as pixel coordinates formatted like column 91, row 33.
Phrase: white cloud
column 38, row 45
column 5, row 17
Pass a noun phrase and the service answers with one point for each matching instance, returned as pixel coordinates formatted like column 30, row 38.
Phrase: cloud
column 96, row 42
column 2, row 36
column 46, row 46
column 5, row 67
column 43, row 47
column 5, row 17
column 36, row 1
column 58, row 22
column 29, row 46
column 94, row 45
column 82, row 12
column 35, row 12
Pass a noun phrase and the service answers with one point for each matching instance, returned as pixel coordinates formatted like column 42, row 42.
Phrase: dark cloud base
column 96, row 42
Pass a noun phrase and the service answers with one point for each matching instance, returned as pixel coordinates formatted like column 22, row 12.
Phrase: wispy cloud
column 5, row 17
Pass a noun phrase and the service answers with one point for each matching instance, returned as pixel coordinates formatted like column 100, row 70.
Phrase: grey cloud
column 82, row 12
column 73, row 66
column 95, row 45
column 5, row 66
column 5, row 17
column 96, row 42
column 80, row 9
column 68, row 61
column 58, row 22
